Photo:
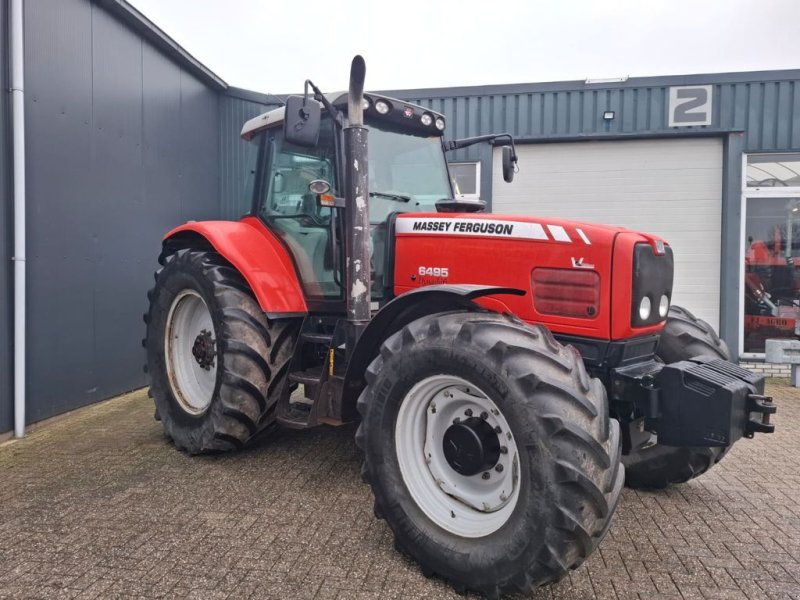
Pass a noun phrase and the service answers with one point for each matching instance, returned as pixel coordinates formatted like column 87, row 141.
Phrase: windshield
column 403, row 166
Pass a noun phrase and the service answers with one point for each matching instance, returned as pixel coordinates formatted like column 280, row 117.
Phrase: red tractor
column 509, row 372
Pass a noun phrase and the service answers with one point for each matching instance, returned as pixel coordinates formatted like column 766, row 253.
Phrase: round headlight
column 382, row 107
column 440, row 124
column 426, row 119
column 644, row 308
column 663, row 306
column 365, row 104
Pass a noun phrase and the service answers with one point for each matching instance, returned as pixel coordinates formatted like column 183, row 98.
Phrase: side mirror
column 509, row 162
column 301, row 121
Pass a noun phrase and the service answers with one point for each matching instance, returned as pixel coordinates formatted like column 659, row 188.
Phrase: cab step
column 295, row 416
column 317, row 338
column 310, row 376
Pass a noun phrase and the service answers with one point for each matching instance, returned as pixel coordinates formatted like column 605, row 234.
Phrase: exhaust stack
column 357, row 233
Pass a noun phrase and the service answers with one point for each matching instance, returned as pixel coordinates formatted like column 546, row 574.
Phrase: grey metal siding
column 237, row 155
column 766, row 106
column 122, row 146
column 768, row 111
column 6, row 266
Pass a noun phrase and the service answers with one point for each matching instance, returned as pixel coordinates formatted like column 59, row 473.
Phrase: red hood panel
column 503, row 250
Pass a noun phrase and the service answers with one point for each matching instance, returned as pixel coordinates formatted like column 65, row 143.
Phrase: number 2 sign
column 690, row 105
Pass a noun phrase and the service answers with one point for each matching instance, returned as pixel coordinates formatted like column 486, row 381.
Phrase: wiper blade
column 391, row 196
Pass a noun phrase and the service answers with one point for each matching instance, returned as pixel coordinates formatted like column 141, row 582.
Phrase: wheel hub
column 471, row 446
column 203, row 349
column 190, row 356
column 457, row 455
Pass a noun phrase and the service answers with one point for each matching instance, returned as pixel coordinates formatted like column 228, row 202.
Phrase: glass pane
column 405, row 165
column 772, row 280
column 293, row 212
column 773, row 170
column 465, row 178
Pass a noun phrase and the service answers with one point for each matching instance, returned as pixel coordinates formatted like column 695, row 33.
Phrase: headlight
column 440, row 124
column 426, row 120
column 644, row 308
column 365, row 104
column 663, row 306
column 382, row 107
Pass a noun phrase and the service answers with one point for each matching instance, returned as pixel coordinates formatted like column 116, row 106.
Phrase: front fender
column 260, row 258
column 397, row 314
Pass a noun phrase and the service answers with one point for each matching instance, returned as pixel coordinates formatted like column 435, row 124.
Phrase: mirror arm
column 338, row 118
column 470, row 141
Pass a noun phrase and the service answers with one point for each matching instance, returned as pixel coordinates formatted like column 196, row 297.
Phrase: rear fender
column 258, row 256
column 397, row 314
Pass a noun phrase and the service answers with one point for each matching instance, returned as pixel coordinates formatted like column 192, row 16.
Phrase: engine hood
column 507, row 250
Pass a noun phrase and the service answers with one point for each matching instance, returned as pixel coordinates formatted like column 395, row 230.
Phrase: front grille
column 652, row 277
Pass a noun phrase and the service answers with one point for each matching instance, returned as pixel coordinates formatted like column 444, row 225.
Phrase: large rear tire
column 684, row 337
column 217, row 365
column 483, row 528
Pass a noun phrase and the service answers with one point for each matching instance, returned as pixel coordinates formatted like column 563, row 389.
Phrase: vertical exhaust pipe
column 357, row 234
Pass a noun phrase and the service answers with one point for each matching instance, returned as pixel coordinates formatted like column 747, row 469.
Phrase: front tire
column 684, row 337
column 552, row 501
column 217, row 365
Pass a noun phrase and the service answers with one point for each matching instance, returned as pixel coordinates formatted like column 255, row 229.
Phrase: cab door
column 293, row 213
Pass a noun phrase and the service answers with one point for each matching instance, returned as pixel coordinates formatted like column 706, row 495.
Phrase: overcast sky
column 272, row 46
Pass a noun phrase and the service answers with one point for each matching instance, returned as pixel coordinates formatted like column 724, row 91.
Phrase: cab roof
column 275, row 116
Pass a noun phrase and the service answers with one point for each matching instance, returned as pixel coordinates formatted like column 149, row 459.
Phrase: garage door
column 672, row 188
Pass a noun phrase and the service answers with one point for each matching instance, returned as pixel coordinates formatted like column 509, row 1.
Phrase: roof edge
column 134, row 19
column 576, row 85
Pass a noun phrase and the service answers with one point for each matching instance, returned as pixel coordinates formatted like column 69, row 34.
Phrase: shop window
column 772, row 271
column 466, row 179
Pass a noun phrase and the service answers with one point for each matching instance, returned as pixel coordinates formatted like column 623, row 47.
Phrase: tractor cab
column 407, row 170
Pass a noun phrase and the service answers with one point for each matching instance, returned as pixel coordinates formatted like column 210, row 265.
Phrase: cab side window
column 293, row 212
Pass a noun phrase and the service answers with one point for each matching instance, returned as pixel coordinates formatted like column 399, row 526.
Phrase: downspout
column 18, row 134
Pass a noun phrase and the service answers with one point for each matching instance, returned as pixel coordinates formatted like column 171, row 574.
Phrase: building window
column 771, row 250
column 466, row 179
column 773, row 170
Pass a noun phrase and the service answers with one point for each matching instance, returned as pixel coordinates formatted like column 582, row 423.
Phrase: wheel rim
column 190, row 348
column 468, row 505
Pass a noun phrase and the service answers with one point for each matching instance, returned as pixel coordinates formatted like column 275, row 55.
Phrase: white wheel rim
column 192, row 383
column 468, row 506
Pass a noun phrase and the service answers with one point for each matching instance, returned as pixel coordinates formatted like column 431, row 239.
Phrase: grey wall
column 236, row 155
column 6, row 267
column 753, row 112
column 122, row 146
column 764, row 105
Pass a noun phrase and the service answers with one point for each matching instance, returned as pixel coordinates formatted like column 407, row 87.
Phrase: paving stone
column 99, row 504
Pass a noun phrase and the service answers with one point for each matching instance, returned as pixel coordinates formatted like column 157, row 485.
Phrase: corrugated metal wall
column 767, row 109
column 6, row 267
column 122, row 146
column 766, row 106
column 237, row 156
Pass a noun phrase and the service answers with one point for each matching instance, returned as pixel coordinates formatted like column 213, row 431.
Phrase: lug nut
column 484, row 415
column 503, row 449
column 456, row 421
column 468, row 412
column 497, row 430
column 498, row 468
column 495, row 412
column 486, row 475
